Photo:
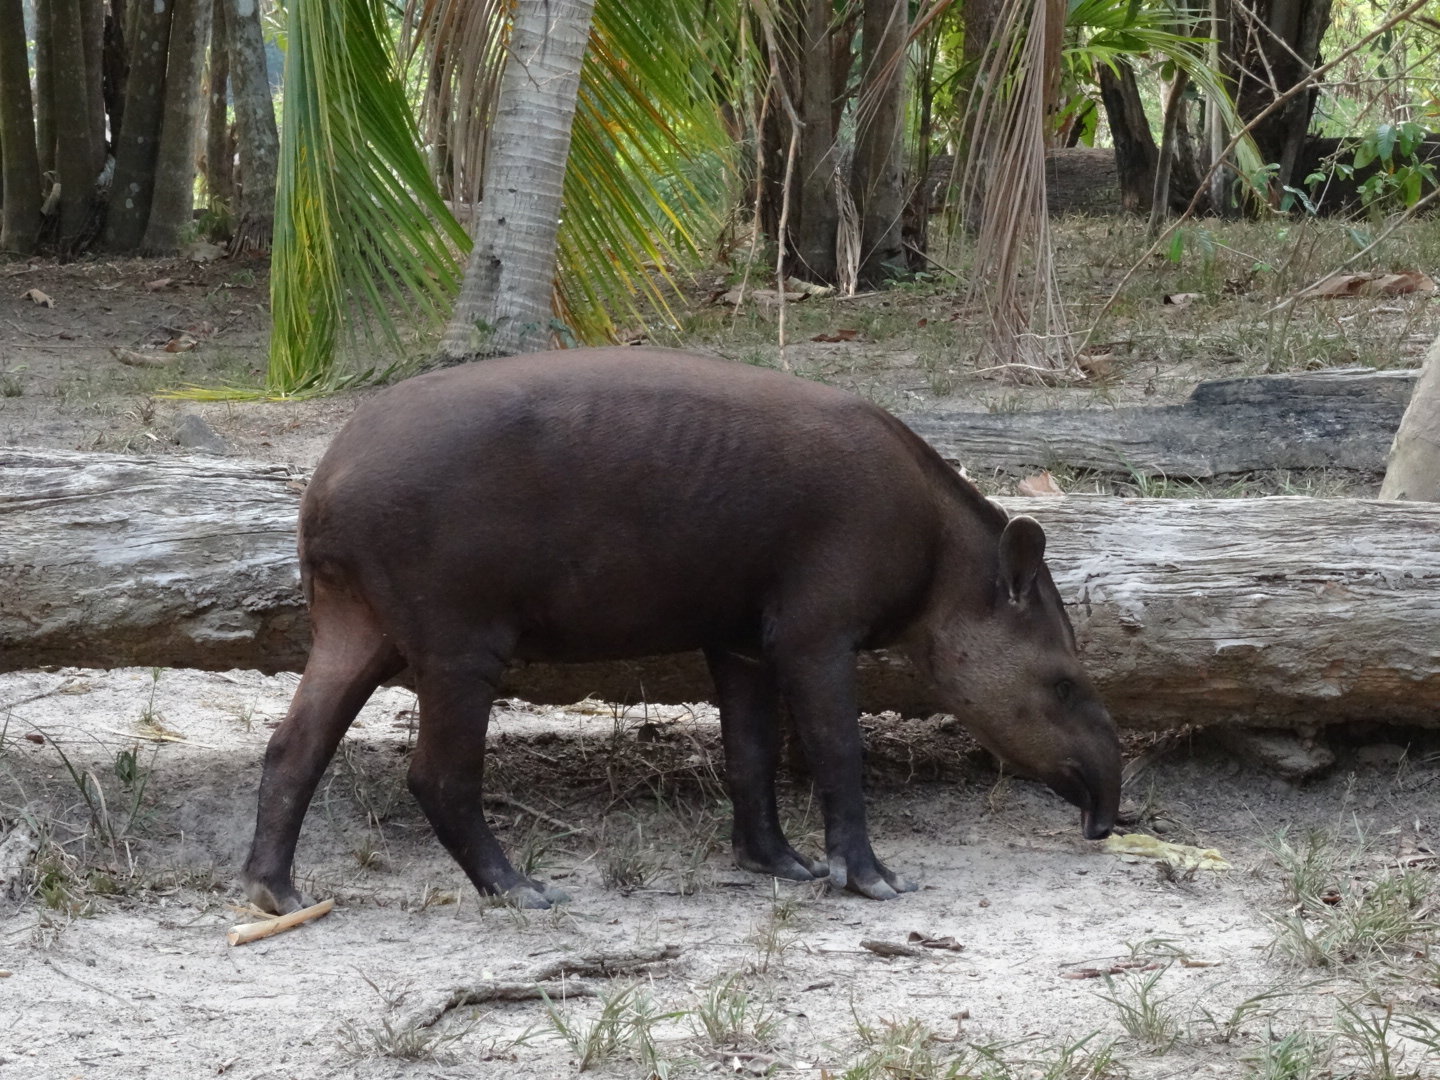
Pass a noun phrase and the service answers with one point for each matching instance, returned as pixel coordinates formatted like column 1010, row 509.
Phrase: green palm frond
column 360, row 230
column 364, row 238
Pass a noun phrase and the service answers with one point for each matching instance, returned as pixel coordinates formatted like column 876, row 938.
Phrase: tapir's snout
column 1098, row 776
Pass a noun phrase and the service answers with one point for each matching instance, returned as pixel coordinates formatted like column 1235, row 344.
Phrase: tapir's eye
column 1063, row 690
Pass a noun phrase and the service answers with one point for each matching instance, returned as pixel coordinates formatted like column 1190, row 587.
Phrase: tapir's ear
column 1022, row 552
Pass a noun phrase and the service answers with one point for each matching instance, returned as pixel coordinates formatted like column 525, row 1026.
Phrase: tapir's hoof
column 788, row 866
column 535, row 897
column 882, row 884
column 277, row 902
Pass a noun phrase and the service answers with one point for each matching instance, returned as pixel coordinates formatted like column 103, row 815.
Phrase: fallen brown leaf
column 1081, row 973
column 838, row 335
column 157, row 284
column 1181, row 299
column 1097, row 365
column 1043, row 484
column 889, row 948
column 35, row 296
column 1401, row 284
column 184, row 343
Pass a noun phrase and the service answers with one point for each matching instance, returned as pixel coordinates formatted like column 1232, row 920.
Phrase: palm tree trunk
column 74, row 151
column 219, row 163
column 877, row 176
column 1135, row 152
column 115, row 64
column 505, row 302
column 20, row 223
column 812, row 237
column 134, row 183
column 92, row 32
column 174, row 200
column 254, row 125
column 44, row 83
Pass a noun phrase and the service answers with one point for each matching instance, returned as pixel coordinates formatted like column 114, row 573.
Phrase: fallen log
column 1270, row 612
column 1325, row 419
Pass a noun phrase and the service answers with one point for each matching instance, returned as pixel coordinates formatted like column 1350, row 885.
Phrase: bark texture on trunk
column 1135, row 151
column 74, row 149
column 44, row 88
column 174, row 198
column 1169, row 148
column 1314, row 421
column 92, row 30
column 814, row 213
column 255, row 127
column 505, row 301
column 20, row 215
column 219, row 156
column 877, row 176
column 1264, row 612
column 1413, row 471
column 134, row 181
column 1270, row 46
column 115, row 65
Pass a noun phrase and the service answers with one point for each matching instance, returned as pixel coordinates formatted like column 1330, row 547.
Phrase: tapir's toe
column 788, row 865
column 533, row 896
column 878, row 883
column 277, row 901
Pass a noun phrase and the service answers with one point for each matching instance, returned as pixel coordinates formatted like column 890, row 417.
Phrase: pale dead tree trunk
column 219, row 160
column 133, row 184
column 20, row 223
column 74, row 151
column 173, row 202
column 877, row 175
column 1414, row 469
column 1160, row 196
column 254, row 125
column 504, row 304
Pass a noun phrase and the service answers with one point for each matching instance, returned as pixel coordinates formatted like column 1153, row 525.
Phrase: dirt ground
column 1311, row 957
column 120, row 967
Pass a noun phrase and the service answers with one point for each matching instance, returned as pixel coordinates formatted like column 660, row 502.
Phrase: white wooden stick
column 255, row 931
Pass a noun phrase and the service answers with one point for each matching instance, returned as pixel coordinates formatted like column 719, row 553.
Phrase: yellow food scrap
column 1181, row 855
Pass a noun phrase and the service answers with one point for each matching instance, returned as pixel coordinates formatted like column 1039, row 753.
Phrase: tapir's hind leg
column 446, row 772
column 749, row 725
column 350, row 657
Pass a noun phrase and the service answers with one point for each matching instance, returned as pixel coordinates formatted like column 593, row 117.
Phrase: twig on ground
column 539, row 815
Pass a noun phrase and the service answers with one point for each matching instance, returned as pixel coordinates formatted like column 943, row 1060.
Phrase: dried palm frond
column 1014, row 264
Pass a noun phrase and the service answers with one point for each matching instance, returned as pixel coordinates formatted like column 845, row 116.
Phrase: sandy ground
column 129, row 974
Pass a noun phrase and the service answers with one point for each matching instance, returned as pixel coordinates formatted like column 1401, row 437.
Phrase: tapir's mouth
column 1093, row 828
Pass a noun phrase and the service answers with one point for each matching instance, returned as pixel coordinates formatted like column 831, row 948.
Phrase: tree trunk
column 1169, row 148
column 74, row 151
column 1135, row 152
column 92, row 32
column 219, row 159
column 20, row 223
column 815, row 215
column 1262, row 612
column 1414, row 467
column 116, row 65
column 255, row 127
column 505, row 302
column 134, row 181
column 1321, row 420
column 44, row 88
column 877, row 176
column 171, row 209
column 1275, row 40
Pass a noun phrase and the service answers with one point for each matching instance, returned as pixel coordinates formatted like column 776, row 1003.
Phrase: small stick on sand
column 248, row 932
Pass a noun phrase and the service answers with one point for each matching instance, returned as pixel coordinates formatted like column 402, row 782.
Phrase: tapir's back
column 614, row 502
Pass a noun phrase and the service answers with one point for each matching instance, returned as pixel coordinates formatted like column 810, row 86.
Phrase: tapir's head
column 1003, row 659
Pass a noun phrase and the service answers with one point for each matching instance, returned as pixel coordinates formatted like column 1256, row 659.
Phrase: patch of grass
column 729, row 1016
column 1384, row 919
column 624, row 1028
column 1145, row 1016
column 1300, row 1055
column 11, row 386
column 401, row 1040
column 626, row 861
column 773, row 935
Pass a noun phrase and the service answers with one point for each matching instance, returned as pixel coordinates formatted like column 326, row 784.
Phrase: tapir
column 594, row 504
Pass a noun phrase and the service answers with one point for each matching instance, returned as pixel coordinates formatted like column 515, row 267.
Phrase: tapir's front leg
column 820, row 687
